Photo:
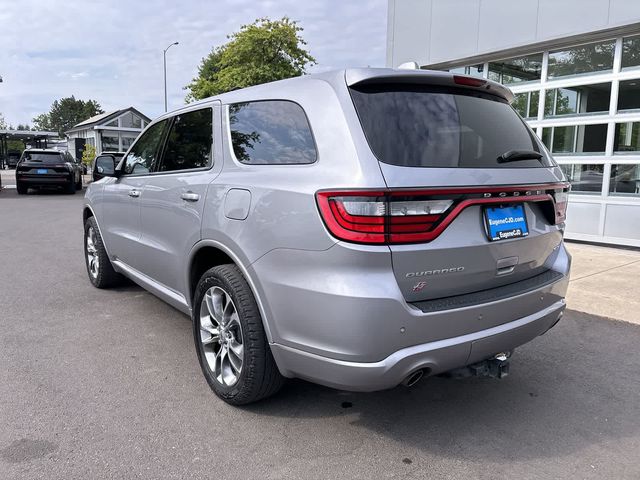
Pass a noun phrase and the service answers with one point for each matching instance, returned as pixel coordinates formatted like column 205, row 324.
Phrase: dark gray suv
column 359, row 229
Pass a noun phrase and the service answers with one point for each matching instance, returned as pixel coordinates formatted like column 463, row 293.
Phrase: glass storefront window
column 624, row 180
column 627, row 138
column 584, row 178
column 631, row 52
column 576, row 139
column 526, row 104
column 585, row 59
column 473, row 70
column 515, row 70
column 126, row 142
column 110, row 143
column 577, row 100
column 629, row 95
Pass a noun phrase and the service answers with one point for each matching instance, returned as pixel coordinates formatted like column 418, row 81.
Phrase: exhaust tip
column 413, row 378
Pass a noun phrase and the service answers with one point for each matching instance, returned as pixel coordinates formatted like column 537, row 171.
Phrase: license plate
column 504, row 222
column 41, row 170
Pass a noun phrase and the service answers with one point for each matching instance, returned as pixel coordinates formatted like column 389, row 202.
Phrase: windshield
column 44, row 157
column 431, row 126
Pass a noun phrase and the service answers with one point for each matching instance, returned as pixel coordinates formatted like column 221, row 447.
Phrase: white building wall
column 434, row 32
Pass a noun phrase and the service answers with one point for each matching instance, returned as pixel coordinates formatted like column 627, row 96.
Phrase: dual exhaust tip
column 413, row 378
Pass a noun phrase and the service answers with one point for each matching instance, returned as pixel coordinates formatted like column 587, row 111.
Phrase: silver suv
column 358, row 229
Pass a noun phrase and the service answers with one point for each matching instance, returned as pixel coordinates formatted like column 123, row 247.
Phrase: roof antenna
column 409, row 66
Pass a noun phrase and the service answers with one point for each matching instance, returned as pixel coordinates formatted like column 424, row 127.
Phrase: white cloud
column 111, row 50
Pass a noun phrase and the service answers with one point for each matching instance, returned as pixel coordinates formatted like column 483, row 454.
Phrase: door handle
column 134, row 193
column 190, row 196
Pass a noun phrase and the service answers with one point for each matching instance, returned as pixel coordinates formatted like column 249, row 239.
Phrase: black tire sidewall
column 213, row 280
column 106, row 274
column 254, row 339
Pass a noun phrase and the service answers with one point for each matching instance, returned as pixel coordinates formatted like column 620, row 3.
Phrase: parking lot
column 105, row 384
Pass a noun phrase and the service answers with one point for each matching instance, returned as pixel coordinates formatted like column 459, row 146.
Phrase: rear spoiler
column 363, row 76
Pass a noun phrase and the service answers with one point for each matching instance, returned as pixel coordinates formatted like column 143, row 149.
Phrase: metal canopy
column 37, row 138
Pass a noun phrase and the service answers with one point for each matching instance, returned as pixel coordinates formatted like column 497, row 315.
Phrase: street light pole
column 165, row 73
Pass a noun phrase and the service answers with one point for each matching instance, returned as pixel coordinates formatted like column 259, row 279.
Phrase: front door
column 121, row 196
column 174, row 197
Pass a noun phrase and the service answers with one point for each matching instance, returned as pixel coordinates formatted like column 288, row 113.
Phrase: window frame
column 163, row 140
column 248, row 165
column 156, row 170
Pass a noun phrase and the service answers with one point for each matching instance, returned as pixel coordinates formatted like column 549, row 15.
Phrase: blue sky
column 111, row 51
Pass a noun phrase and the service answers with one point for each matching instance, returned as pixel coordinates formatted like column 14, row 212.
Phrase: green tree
column 264, row 51
column 65, row 113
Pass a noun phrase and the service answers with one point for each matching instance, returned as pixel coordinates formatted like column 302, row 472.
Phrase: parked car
column 42, row 168
column 359, row 229
column 12, row 158
column 105, row 168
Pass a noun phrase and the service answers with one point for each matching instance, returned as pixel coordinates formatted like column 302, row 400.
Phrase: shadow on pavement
column 567, row 391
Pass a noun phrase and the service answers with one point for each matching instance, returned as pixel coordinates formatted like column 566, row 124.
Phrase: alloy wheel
column 221, row 336
column 93, row 260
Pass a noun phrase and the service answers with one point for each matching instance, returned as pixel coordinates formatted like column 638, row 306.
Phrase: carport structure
column 37, row 139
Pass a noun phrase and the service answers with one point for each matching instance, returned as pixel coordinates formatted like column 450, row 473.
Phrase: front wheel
column 99, row 268
column 230, row 340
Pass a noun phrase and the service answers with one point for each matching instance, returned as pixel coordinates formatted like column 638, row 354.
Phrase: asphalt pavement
column 105, row 384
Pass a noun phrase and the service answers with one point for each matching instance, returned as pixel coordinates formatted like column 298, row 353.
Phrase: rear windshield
column 430, row 126
column 44, row 157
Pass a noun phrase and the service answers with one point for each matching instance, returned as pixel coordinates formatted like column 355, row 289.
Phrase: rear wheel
column 21, row 188
column 99, row 268
column 230, row 341
column 71, row 188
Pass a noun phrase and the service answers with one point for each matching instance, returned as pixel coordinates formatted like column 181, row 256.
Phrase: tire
column 102, row 274
column 258, row 376
column 79, row 183
column 22, row 189
column 71, row 188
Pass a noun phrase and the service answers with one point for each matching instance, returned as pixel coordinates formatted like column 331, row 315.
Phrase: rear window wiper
column 517, row 155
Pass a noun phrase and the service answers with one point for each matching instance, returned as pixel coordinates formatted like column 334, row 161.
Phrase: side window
column 189, row 141
column 271, row 132
column 143, row 154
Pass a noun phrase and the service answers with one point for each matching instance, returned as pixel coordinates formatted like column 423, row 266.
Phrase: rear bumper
column 338, row 318
column 435, row 357
column 44, row 180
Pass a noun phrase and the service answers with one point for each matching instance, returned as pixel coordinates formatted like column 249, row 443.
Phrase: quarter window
column 189, row 141
column 142, row 157
column 271, row 132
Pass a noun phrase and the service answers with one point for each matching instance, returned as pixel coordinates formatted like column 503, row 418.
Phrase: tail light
column 561, row 197
column 386, row 217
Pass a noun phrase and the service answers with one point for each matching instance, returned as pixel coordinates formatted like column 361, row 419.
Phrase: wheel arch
column 210, row 253
column 86, row 213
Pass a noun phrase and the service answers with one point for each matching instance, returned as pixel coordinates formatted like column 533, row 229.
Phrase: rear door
column 174, row 196
column 121, row 196
column 473, row 190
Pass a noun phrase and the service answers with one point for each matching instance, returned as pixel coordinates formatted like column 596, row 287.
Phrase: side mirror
column 104, row 166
